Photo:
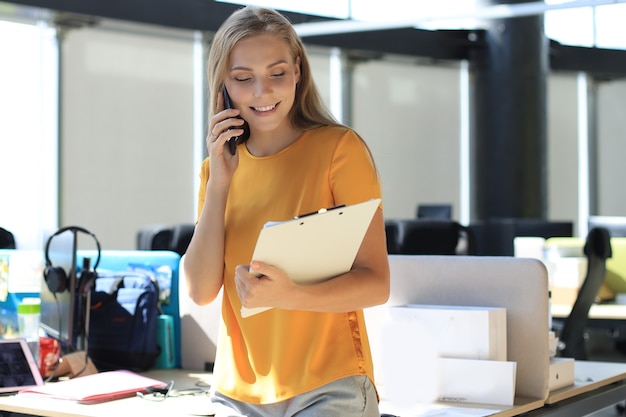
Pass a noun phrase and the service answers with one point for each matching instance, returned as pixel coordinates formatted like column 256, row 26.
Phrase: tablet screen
column 18, row 369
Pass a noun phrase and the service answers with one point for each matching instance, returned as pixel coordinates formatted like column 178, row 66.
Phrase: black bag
column 124, row 310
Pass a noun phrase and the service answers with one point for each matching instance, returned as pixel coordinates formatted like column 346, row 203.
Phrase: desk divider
column 518, row 284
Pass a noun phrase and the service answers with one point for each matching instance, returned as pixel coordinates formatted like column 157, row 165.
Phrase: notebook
column 317, row 246
column 96, row 388
column 18, row 368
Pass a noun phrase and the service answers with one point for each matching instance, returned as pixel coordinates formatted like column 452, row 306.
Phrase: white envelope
column 477, row 381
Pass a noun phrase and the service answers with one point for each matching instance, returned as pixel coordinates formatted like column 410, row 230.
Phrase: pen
column 322, row 210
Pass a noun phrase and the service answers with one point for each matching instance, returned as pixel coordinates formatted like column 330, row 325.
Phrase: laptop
column 18, row 369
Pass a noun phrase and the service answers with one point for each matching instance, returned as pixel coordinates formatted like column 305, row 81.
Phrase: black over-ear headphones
column 55, row 276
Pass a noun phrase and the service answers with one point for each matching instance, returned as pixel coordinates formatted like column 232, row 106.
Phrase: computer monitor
column 434, row 211
column 616, row 225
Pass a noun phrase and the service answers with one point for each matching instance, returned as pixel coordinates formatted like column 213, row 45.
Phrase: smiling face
column 261, row 82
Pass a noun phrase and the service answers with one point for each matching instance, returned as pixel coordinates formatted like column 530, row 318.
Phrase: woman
column 308, row 355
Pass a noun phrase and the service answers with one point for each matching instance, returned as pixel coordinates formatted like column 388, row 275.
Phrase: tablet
column 18, row 369
column 316, row 246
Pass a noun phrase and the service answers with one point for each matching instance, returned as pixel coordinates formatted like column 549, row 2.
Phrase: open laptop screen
column 18, row 369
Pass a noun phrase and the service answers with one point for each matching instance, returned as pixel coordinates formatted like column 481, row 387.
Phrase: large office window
column 128, row 130
column 409, row 114
column 600, row 26
column 28, row 131
column 611, row 147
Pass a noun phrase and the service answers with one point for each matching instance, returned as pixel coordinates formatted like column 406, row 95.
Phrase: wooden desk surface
column 589, row 377
column 134, row 406
column 597, row 311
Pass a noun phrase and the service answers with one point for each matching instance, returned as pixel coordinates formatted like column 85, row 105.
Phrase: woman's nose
column 262, row 87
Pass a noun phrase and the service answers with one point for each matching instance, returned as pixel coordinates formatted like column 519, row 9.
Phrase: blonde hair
column 308, row 110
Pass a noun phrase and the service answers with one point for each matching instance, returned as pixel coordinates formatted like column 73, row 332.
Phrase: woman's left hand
column 267, row 286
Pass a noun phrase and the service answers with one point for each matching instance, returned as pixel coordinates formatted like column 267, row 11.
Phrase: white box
column 476, row 381
column 561, row 373
column 465, row 332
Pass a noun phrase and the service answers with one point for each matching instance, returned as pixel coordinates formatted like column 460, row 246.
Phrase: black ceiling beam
column 440, row 44
column 601, row 63
column 202, row 15
column 208, row 15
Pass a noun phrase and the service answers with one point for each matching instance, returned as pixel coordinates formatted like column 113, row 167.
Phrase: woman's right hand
column 222, row 126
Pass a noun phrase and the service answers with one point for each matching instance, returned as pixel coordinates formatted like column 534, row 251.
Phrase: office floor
column 601, row 347
column 607, row 412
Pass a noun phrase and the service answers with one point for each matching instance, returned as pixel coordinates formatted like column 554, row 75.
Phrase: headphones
column 55, row 276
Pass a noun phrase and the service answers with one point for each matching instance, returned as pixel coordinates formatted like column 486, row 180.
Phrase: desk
column 605, row 316
column 599, row 385
column 596, row 312
column 134, row 406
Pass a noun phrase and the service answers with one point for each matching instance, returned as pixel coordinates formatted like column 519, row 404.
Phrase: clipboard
column 314, row 247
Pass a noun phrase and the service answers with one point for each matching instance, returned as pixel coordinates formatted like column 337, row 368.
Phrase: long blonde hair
column 308, row 110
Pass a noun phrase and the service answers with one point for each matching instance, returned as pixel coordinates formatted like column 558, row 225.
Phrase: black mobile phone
column 235, row 140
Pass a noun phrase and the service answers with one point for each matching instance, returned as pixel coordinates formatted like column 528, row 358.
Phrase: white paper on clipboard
column 315, row 247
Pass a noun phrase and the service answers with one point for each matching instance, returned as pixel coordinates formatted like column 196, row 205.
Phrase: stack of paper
column 460, row 331
column 471, row 347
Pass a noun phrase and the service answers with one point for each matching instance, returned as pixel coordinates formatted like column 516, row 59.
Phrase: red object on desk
column 49, row 354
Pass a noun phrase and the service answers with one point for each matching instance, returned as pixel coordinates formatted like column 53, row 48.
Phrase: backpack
column 124, row 311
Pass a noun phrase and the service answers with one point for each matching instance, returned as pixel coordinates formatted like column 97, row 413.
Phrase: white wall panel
column 127, row 132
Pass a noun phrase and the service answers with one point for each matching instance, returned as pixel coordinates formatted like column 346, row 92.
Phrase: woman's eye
column 242, row 80
column 278, row 74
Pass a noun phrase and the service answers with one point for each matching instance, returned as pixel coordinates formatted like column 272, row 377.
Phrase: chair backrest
column 391, row 232
column 7, row 240
column 495, row 237
column 428, row 236
column 154, row 237
column 597, row 249
column 181, row 237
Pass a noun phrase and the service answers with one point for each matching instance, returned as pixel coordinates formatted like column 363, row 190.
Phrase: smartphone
column 235, row 140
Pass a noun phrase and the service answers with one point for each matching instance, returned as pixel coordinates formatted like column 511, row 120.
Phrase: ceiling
column 207, row 15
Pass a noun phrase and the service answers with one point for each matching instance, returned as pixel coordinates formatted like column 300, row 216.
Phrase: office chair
column 7, row 240
column 431, row 237
column 161, row 237
column 181, row 237
column 572, row 336
column 495, row 237
column 154, row 237
column 391, row 232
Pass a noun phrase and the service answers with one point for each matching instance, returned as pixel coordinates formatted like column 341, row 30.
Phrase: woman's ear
column 297, row 69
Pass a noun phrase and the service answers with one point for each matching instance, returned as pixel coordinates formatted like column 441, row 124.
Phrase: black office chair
column 572, row 336
column 391, row 232
column 154, row 237
column 431, row 237
column 161, row 237
column 181, row 237
column 7, row 240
